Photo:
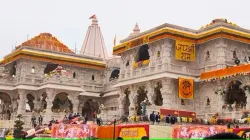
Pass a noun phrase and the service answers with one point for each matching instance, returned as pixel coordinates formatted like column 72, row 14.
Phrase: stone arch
column 5, row 105
column 114, row 74
column 143, row 53
column 30, row 104
column 90, row 106
column 235, row 94
column 50, row 67
column 62, row 103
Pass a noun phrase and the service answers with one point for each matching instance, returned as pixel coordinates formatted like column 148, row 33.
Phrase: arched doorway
column 158, row 95
column 62, row 103
column 5, row 109
column 141, row 96
column 235, row 95
column 30, row 103
column 90, row 106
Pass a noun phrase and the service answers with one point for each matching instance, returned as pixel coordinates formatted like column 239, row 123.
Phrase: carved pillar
column 151, row 56
column 166, row 58
column 132, row 99
column 132, row 60
column 150, row 94
column 121, row 101
column 75, row 103
column 221, row 54
column 166, row 92
column 21, row 102
column 50, row 98
column 219, row 96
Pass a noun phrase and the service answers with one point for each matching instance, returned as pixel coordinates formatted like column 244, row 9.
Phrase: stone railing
column 158, row 68
column 7, row 81
column 61, row 80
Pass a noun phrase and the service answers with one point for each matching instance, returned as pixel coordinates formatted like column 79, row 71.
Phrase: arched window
column 74, row 75
column 33, row 70
column 13, row 70
column 142, row 54
column 127, row 63
column 158, row 54
column 50, row 67
column 93, row 77
column 114, row 74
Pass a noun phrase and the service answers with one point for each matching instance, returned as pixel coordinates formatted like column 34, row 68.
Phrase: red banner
column 196, row 131
column 73, row 131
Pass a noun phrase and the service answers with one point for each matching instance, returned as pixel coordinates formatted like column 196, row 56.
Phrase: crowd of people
column 156, row 118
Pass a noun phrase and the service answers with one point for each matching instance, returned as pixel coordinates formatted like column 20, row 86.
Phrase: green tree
column 18, row 128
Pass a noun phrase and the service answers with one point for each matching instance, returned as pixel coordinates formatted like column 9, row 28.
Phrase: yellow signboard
column 184, row 51
column 135, row 133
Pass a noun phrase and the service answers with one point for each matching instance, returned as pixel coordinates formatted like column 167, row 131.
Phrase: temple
column 43, row 76
column 203, row 71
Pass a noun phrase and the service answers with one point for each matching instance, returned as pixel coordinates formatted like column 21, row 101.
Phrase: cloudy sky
column 68, row 20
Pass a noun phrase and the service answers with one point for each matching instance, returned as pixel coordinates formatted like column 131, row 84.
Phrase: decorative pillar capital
column 166, row 81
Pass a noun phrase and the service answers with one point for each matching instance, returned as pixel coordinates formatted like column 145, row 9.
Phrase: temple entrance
column 90, row 106
column 5, row 106
column 158, row 96
column 235, row 95
column 141, row 96
column 62, row 103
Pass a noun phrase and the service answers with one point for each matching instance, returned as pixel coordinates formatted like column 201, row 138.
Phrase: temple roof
column 47, row 42
column 94, row 44
column 218, row 28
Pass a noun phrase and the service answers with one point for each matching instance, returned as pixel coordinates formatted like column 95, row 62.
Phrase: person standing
column 152, row 117
column 157, row 118
column 168, row 119
column 33, row 121
column 40, row 120
column 98, row 119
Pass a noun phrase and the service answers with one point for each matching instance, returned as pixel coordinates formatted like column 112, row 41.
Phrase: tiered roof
column 47, row 42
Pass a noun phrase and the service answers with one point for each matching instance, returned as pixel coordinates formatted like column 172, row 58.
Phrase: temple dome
column 47, row 42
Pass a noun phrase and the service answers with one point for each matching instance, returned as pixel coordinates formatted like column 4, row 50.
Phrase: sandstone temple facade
column 43, row 76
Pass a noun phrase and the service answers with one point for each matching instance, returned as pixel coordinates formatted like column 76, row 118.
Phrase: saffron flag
column 186, row 88
column 115, row 40
column 92, row 17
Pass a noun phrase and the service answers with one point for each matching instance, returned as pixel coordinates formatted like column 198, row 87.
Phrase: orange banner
column 225, row 72
column 186, row 88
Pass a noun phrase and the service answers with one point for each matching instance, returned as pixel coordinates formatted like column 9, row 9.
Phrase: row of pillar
column 166, row 92
column 50, row 98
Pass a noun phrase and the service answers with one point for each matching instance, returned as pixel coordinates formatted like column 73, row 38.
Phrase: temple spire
column 136, row 30
column 94, row 44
